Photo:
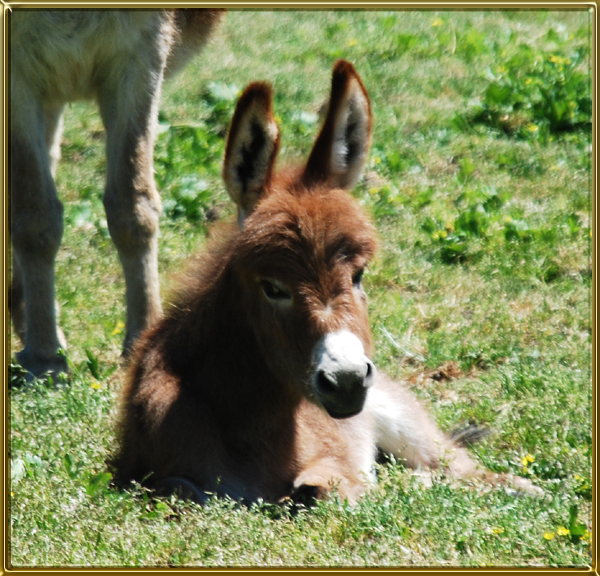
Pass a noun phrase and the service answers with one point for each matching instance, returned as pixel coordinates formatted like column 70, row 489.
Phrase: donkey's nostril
column 343, row 382
column 370, row 376
column 325, row 384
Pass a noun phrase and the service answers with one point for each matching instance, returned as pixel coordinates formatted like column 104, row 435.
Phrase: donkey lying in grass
column 257, row 383
column 117, row 57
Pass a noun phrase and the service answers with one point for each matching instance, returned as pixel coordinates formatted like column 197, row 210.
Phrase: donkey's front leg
column 36, row 229
column 129, row 106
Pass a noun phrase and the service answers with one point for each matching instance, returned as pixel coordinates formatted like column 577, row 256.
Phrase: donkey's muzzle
column 343, row 374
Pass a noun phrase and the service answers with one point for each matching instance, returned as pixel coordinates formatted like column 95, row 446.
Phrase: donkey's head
column 304, row 243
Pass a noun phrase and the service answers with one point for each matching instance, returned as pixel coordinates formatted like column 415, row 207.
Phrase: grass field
column 480, row 182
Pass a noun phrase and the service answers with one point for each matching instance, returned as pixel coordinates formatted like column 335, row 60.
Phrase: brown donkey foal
column 257, row 383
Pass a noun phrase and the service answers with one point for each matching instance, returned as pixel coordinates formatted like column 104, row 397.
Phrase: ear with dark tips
column 342, row 147
column 251, row 149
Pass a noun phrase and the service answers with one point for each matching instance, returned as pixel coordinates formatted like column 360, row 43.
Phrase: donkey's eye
column 275, row 291
column 357, row 278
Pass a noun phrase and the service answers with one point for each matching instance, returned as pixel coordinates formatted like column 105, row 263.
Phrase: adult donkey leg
column 36, row 230
column 53, row 127
column 194, row 27
column 16, row 301
column 128, row 104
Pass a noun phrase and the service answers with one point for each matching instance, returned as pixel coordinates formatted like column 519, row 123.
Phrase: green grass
column 480, row 184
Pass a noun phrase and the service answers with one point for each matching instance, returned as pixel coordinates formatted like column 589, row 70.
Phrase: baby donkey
column 258, row 382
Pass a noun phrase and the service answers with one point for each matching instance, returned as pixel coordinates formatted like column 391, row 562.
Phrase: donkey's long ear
column 252, row 145
column 342, row 146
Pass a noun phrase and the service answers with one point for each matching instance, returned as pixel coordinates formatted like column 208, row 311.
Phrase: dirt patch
column 447, row 371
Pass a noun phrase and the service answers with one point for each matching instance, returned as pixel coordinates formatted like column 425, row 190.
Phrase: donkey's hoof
column 183, row 488
column 40, row 368
column 307, row 495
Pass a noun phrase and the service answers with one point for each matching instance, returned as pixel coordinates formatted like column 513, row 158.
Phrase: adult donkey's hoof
column 40, row 367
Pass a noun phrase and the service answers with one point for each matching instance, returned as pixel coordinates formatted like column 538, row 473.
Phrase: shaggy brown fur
column 257, row 383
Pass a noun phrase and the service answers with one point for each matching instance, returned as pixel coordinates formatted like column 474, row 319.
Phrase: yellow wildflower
column 437, row 22
column 96, row 385
column 562, row 531
column 532, row 128
column 118, row 328
column 548, row 535
column 497, row 530
column 352, row 42
column 527, row 459
column 559, row 60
